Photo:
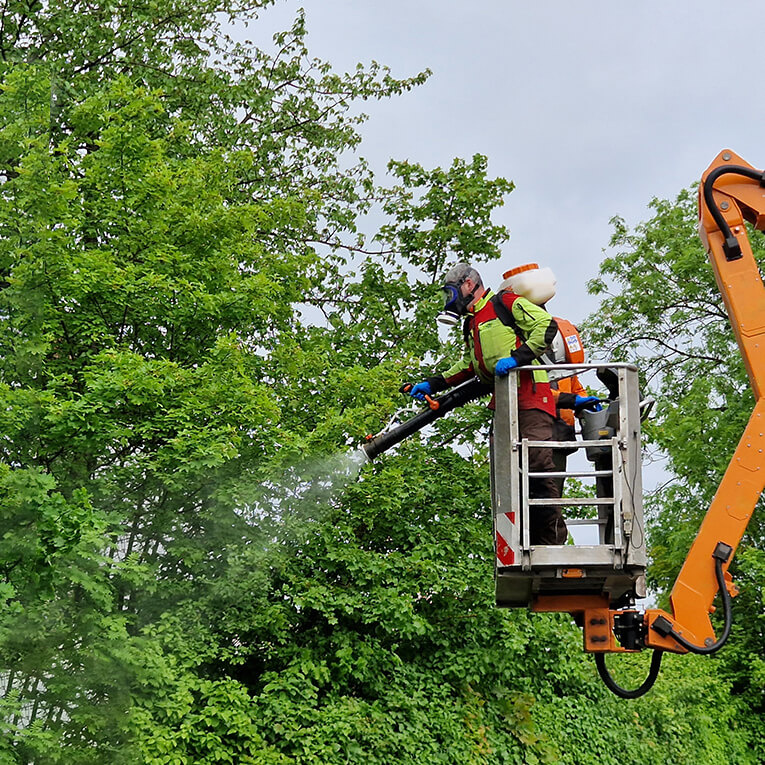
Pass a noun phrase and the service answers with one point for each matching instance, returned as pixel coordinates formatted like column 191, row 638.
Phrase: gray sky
column 591, row 108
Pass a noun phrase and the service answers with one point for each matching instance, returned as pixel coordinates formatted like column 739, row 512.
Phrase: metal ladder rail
column 527, row 502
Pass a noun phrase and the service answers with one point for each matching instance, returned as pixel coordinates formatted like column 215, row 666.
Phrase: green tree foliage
column 192, row 329
column 661, row 308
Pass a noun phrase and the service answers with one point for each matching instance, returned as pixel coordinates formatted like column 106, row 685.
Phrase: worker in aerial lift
column 538, row 285
column 503, row 332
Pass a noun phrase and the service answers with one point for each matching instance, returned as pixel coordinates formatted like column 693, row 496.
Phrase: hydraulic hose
column 731, row 246
column 728, row 617
column 614, row 687
column 462, row 394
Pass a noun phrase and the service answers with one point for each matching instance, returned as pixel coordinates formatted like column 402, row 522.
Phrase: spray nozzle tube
column 389, row 437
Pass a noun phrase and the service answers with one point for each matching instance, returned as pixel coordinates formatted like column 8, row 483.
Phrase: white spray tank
column 538, row 285
column 530, row 281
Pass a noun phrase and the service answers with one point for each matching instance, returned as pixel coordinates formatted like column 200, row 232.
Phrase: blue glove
column 420, row 391
column 504, row 366
column 588, row 402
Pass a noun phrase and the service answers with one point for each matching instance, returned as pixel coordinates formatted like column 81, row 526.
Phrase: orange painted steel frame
column 737, row 198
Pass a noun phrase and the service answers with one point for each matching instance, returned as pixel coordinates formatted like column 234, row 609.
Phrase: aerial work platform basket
column 608, row 556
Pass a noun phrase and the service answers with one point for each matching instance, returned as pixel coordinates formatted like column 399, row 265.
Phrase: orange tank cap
column 520, row 270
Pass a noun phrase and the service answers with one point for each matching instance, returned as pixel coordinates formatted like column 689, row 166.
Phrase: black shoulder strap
column 505, row 315
column 466, row 330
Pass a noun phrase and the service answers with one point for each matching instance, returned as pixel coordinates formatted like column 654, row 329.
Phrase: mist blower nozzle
column 437, row 407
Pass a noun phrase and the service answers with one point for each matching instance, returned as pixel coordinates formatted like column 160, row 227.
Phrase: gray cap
column 460, row 272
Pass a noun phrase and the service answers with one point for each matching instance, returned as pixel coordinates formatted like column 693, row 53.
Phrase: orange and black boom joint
column 438, row 407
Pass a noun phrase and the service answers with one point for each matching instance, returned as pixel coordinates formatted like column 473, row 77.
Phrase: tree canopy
column 194, row 329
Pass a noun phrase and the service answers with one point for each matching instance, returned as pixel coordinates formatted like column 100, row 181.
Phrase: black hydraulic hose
column 731, row 246
column 728, row 616
column 614, row 687
column 462, row 394
column 721, row 556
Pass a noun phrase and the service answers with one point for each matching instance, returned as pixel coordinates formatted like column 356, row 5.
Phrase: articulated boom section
column 731, row 191
column 598, row 583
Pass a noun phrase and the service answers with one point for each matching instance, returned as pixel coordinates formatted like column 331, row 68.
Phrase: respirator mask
column 455, row 303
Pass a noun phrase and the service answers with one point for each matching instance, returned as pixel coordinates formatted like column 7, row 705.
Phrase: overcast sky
column 592, row 108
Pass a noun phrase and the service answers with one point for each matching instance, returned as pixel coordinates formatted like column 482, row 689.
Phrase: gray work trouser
column 546, row 521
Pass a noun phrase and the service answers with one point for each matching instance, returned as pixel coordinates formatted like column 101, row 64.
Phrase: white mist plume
column 306, row 490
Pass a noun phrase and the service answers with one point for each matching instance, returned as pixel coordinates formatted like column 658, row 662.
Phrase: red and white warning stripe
column 507, row 538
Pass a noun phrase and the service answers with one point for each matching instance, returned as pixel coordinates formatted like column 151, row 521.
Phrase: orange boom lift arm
column 731, row 192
